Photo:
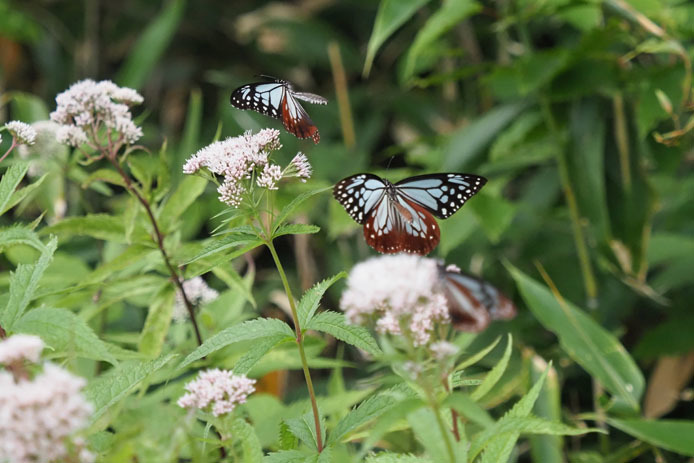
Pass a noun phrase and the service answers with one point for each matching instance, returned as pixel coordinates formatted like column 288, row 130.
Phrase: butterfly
column 278, row 99
column 400, row 217
column 473, row 302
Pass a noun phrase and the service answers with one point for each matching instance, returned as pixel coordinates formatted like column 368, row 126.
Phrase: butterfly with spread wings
column 473, row 302
column 400, row 217
column 278, row 99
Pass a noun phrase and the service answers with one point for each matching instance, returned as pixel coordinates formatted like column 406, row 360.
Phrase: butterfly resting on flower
column 277, row 98
column 400, row 217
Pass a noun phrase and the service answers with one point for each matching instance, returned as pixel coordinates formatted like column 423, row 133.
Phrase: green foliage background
column 579, row 113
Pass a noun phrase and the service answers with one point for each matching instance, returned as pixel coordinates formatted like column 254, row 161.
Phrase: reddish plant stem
column 160, row 242
column 454, row 414
column 14, row 144
column 3, row 333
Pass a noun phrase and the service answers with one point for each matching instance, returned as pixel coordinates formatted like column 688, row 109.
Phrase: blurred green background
column 578, row 112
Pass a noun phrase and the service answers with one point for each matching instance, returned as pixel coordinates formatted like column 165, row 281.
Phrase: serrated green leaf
column 257, row 350
column 465, row 406
column 246, row 331
column 438, row 443
column 188, row 190
column 242, row 431
column 673, row 435
column 494, row 374
column 287, row 440
column 478, row 356
column 388, row 457
column 295, row 229
column 100, row 226
column 22, row 193
column 311, row 298
column 234, row 281
column 304, row 428
column 288, row 456
column 335, row 324
column 217, row 244
column 20, row 235
column 23, row 284
column 390, row 16
column 392, row 419
column 9, row 181
column 104, row 175
column 586, row 342
column 157, row 322
column 291, row 207
column 117, row 383
column 65, row 332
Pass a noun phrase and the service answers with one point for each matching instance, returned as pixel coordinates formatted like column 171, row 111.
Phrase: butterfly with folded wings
column 473, row 302
column 400, row 217
column 278, row 99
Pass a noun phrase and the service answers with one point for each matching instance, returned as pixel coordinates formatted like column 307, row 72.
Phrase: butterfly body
column 399, row 217
column 278, row 99
column 473, row 302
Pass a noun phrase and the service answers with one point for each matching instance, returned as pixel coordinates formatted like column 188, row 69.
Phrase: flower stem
column 299, row 342
column 14, row 144
column 442, row 427
column 160, row 242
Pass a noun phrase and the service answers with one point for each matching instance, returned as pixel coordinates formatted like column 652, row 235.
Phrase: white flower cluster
column 198, row 293
column 38, row 416
column 23, row 133
column 240, row 159
column 398, row 291
column 87, row 105
column 218, row 391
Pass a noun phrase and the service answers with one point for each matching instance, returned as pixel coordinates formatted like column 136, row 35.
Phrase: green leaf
column 388, row 457
column 191, row 132
column 368, row 410
column 495, row 214
column 291, row 207
column 23, row 284
column 311, row 298
column 218, row 244
column 466, row 143
column 295, row 229
column 22, row 193
column 478, row 356
column 234, row 281
column 257, row 350
column 673, row 435
column 157, row 322
column 188, row 190
column 465, row 406
column 494, row 374
column 65, row 332
column 528, row 73
column 20, row 235
column 114, row 385
column 391, row 420
column 289, row 456
column 151, row 46
column 246, row 331
column 335, row 324
column 304, row 428
column 586, row 342
column 104, row 175
column 436, row 441
column 9, row 181
column 100, row 226
column 391, row 15
column 243, row 432
column 547, row 406
column 450, row 14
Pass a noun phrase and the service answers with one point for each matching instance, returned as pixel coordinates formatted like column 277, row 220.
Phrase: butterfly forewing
column 441, row 194
column 359, row 194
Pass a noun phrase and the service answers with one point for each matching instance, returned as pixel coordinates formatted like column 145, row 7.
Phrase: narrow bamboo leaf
column 589, row 344
column 23, row 284
column 246, row 331
column 257, row 350
column 335, row 324
column 65, row 332
column 673, row 435
column 304, row 429
column 9, row 181
column 243, row 432
column 295, row 229
column 117, row 383
column 218, row 244
column 291, row 207
column 151, row 45
column 311, row 298
column 157, row 322
column 100, row 226
column 494, row 374
column 548, row 406
column 22, row 193
column 366, row 411
column 478, row 356
column 391, row 15
column 20, row 235
column 450, row 14
column 188, row 190
column 104, row 175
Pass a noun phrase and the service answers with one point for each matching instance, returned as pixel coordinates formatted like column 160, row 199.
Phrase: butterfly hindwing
column 441, row 194
column 296, row 119
column 401, row 226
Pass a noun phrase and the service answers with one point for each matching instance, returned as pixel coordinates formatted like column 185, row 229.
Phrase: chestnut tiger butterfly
column 400, row 217
column 277, row 98
column 473, row 302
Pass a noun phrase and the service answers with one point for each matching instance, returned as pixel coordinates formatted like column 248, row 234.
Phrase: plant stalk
column 299, row 342
column 160, row 243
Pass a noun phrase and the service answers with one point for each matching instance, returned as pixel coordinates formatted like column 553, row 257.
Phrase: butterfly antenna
column 389, row 161
column 265, row 76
